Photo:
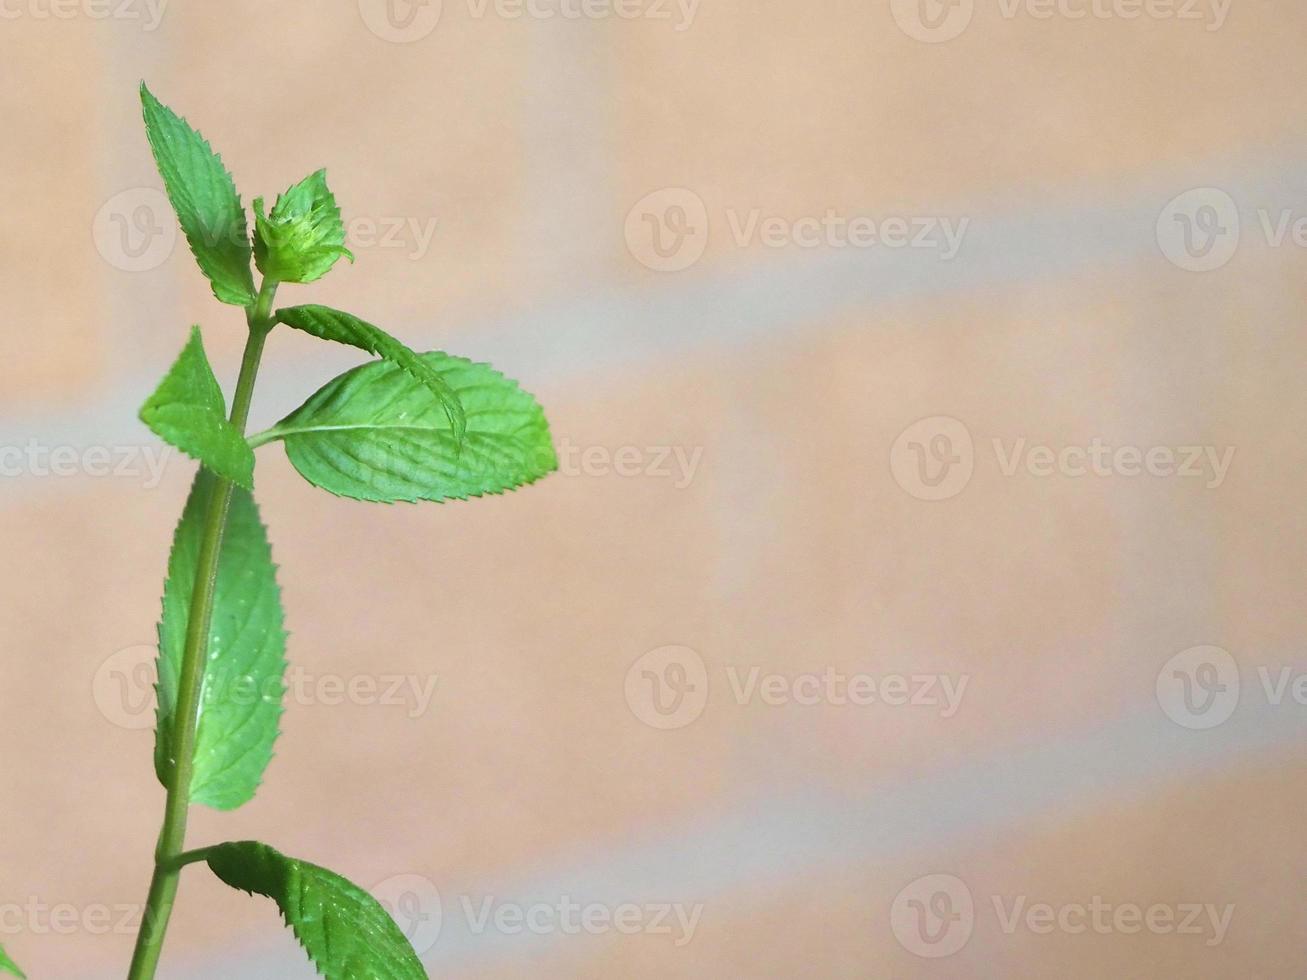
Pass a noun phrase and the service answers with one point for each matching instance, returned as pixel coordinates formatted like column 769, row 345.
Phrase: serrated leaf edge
column 248, row 296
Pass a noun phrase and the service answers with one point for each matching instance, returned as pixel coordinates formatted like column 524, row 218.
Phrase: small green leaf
column 7, row 964
column 241, row 700
column 303, row 236
column 343, row 328
column 205, row 199
column 374, row 433
column 188, row 411
column 345, row 931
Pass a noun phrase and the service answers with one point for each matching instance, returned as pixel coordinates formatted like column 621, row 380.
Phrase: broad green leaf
column 241, row 699
column 303, row 236
column 205, row 199
column 7, row 964
column 345, row 931
column 375, row 434
column 188, row 411
column 343, row 328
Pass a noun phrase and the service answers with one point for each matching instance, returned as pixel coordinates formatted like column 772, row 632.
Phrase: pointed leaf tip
column 8, row 965
column 188, row 411
column 375, row 433
column 204, row 197
column 303, row 236
column 346, row 933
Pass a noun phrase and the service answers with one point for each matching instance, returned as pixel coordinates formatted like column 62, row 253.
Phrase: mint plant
column 406, row 427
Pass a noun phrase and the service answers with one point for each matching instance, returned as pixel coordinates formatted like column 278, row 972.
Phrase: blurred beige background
column 922, row 592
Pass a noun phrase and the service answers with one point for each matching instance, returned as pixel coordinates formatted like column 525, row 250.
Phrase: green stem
column 169, row 854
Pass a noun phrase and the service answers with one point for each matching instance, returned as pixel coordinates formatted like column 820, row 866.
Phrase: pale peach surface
column 737, row 484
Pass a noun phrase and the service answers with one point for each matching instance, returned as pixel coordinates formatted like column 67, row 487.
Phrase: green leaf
column 188, row 411
column 241, row 700
column 205, row 199
column 303, row 237
column 345, row 931
column 375, row 434
column 7, row 964
column 329, row 324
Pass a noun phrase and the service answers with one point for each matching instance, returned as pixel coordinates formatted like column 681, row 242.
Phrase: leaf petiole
column 191, row 857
